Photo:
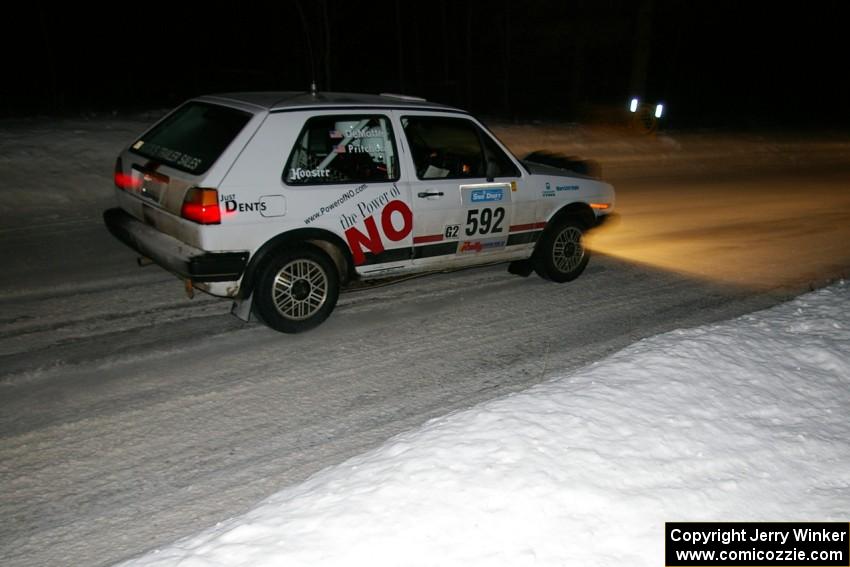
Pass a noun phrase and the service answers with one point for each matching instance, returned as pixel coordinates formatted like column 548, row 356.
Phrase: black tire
column 560, row 255
column 297, row 289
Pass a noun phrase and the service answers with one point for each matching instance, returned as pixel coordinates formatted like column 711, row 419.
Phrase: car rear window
column 343, row 149
column 193, row 136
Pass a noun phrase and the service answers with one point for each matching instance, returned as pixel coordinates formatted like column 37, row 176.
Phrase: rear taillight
column 122, row 181
column 201, row 206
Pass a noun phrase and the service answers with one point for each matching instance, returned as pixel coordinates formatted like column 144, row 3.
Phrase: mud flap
column 521, row 268
column 241, row 308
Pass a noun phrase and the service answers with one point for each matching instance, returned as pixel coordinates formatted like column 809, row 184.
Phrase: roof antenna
column 313, row 89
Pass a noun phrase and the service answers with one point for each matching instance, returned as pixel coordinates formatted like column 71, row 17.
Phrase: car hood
column 541, row 169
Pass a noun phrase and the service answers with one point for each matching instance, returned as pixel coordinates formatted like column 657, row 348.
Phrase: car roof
column 289, row 100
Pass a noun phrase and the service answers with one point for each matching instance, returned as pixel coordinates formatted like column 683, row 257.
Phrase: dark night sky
column 712, row 63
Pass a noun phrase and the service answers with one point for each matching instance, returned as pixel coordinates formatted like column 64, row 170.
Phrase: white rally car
column 276, row 200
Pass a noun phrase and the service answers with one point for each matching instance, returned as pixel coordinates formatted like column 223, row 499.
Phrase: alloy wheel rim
column 300, row 289
column 568, row 250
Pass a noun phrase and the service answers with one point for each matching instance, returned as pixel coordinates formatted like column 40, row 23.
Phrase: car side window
column 498, row 163
column 444, row 147
column 454, row 148
column 343, row 149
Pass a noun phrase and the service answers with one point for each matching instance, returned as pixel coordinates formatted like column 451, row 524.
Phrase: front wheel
column 560, row 255
column 297, row 289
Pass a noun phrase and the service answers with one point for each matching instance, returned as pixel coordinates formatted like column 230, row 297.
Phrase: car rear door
column 342, row 176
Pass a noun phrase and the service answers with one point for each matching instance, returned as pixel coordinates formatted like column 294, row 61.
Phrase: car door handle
column 426, row 194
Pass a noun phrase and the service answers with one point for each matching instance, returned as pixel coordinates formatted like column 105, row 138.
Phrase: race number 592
column 484, row 221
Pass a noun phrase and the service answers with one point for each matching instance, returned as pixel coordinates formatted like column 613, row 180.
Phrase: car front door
column 462, row 187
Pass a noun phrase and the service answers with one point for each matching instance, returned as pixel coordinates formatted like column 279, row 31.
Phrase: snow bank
column 745, row 420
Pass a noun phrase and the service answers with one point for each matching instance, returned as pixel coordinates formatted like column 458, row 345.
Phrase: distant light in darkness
column 633, row 105
column 659, row 110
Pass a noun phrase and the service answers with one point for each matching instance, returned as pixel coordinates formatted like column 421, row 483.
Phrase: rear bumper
column 175, row 256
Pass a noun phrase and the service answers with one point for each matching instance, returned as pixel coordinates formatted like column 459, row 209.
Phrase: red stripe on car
column 429, row 238
column 529, row 226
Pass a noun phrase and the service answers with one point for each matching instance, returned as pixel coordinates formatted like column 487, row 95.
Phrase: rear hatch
column 181, row 152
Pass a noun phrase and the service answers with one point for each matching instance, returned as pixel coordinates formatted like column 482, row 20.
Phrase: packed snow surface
column 743, row 420
column 131, row 417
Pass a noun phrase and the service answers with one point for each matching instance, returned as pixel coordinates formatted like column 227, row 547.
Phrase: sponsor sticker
column 236, row 206
column 476, row 246
column 365, row 133
column 396, row 223
column 487, row 195
column 343, row 198
column 299, row 173
column 369, row 223
column 174, row 157
column 233, row 205
column 548, row 191
column 352, row 133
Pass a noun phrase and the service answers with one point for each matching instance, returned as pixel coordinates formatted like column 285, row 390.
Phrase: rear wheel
column 560, row 255
column 297, row 289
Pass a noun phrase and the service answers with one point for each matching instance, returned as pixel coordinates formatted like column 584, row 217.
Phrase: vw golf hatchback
column 277, row 200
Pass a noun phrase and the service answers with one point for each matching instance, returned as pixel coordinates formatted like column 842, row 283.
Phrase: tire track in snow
column 181, row 428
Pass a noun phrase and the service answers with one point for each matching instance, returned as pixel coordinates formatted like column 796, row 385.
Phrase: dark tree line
column 494, row 56
column 708, row 62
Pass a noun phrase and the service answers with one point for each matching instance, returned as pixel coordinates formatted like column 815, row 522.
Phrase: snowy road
column 130, row 416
